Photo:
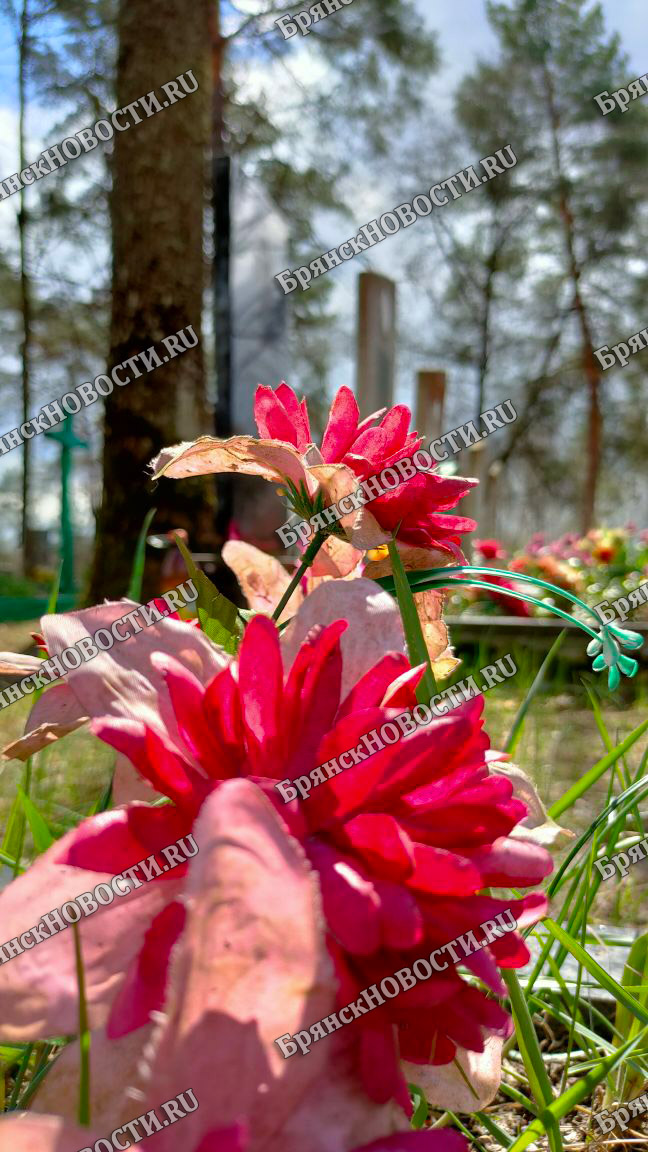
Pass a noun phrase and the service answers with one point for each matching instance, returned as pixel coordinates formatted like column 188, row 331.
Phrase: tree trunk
column 25, row 298
column 221, row 296
column 485, row 326
column 157, row 209
column 591, row 368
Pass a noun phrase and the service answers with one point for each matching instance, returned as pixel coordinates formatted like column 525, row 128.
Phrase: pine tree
column 578, row 171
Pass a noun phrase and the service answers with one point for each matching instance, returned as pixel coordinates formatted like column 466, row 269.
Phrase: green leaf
column 137, row 575
column 494, row 1129
column 12, row 839
column 41, row 834
column 603, row 978
column 532, row 1057
column 420, row 1106
column 219, row 618
column 518, row 723
column 10, row 861
column 416, row 646
column 577, row 1092
column 103, row 802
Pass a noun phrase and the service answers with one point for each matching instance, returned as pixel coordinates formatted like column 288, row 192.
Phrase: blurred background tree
column 543, row 267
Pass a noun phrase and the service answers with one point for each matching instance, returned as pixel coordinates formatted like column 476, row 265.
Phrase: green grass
column 66, row 778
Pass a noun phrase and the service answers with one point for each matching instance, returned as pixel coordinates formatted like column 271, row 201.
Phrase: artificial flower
column 404, row 842
column 416, row 510
column 239, row 977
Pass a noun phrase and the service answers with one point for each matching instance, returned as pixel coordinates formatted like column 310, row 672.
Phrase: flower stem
column 22, row 816
column 309, row 556
column 443, row 582
column 416, row 646
column 521, row 577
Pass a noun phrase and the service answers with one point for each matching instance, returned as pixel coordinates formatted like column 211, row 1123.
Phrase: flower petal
column 126, row 682
column 270, row 459
column 262, row 578
column 507, row 862
column 38, row 989
column 239, row 979
column 538, row 824
column 342, row 426
column 445, row 1087
column 25, row 1132
column 374, row 625
column 57, row 713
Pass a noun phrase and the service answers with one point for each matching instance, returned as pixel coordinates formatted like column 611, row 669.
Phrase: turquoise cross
column 64, row 434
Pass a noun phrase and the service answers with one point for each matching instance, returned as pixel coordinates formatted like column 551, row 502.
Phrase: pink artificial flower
column 239, row 977
column 351, row 451
column 536, row 543
column 404, row 842
column 416, row 510
column 489, row 549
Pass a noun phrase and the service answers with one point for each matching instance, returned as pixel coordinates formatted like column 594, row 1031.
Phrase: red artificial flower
column 489, row 549
column 405, row 842
column 511, row 604
column 493, row 550
column 237, row 978
column 416, row 510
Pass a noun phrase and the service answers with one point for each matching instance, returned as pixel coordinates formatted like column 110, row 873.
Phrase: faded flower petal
column 123, row 682
column 263, row 578
column 25, row 1132
column 18, row 664
column 538, row 826
column 38, row 988
column 242, row 976
column 445, row 1087
column 57, row 713
column 110, row 1106
column 374, row 625
column 269, row 459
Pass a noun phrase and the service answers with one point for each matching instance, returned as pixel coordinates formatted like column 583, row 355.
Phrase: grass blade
column 518, row 723
column 41, row 834
column 84, row 1034
column 54, row 593
column 602, row 977
column 531, row 1054
column 574, row 1095
column 569, row 798
column 137, row 575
